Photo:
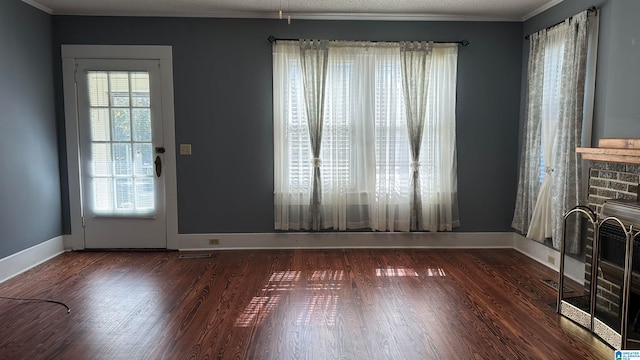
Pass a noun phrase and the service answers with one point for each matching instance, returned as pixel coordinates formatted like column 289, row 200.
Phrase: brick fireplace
column 608, row 180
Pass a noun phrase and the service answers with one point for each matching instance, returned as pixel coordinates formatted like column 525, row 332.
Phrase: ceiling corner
column 541, row 9
column 38, row 6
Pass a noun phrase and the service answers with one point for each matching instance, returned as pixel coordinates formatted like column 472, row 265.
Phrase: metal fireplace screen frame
column 612, row 226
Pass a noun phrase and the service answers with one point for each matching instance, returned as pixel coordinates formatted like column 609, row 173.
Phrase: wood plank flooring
column 290, row 304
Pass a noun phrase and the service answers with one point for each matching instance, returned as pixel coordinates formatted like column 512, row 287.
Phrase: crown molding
column 389, row 17
column 307, row 16
column 541, row 9
column 38, row 6
column 294, row 16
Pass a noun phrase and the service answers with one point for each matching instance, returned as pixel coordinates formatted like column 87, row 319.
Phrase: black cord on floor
column 38, row 300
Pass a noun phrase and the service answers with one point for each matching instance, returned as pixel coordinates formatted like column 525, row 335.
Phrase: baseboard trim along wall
column 573, row 269
column 344, row 240
column 24, row 260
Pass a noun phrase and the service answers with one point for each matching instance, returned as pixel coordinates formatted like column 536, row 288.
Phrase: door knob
column 158, row 164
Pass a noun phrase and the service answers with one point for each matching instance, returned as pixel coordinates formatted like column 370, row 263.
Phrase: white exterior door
column 122, row 152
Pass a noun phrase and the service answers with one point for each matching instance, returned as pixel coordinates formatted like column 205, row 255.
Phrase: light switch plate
column 185, row 149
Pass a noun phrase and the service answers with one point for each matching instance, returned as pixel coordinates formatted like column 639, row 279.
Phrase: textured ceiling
column 514, row 10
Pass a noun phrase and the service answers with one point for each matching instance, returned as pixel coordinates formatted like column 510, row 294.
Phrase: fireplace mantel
column 625, row 151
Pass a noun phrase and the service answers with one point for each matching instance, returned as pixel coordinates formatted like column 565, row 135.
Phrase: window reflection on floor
column 318, row 309
column 314, row 308
column 326, row 280
column 282, row 280
column 396, row 272
column 319, row 303
column 258, row 308
column 409, row 272
column 437, row 271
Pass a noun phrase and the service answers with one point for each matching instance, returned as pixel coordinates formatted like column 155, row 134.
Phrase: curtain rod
column 589, row 10
column 463, row 42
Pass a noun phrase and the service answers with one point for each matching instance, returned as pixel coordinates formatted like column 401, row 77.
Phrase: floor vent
column 194, row 256
column 554, row 285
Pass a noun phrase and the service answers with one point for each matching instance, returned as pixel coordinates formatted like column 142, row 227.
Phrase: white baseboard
column 345, row 240
column 17, row 263
column 573, row 268
column 24, row 260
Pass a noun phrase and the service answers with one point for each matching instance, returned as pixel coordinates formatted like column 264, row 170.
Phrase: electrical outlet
column 551, row 260
column 214, row 241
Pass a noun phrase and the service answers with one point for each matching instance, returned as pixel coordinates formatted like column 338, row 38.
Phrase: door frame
column 70, row 53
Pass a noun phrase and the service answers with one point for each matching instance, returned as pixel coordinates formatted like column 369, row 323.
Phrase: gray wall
column 29, row 175
column 222, row 78
column 617, row 113
column 223, row 106
column 621, row 65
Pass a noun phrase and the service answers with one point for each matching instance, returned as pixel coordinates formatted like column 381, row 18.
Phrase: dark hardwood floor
column 290, row 304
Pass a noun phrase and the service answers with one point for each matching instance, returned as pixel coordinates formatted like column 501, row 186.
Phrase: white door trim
column 162, row 53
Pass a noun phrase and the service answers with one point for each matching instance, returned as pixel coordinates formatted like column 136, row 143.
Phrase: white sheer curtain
column 365, row 148
column 348, row 146
column 391, row 208
column 416, row 68
column 292, row 151
column 438, row 164
column 313, row 59
column 551, row 55
column 553, row 130
column 365, row 153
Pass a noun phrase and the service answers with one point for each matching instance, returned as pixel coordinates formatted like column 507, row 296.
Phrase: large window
column 365, row 159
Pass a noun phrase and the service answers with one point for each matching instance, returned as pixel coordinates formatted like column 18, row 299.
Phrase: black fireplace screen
column 613, row 243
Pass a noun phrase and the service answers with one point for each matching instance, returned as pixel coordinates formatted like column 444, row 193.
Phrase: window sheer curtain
column 292, row 150
column 313, row 59
column 550, row 57
column 553, row 130
column 438, row 165
column 416, row 66
column 365, row 150
column 365, row 144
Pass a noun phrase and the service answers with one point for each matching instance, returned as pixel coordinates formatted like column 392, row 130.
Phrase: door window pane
column 140, row 90
column 100, row 125
column 144, row 193
column 119, row 83
column 121, row 124
column 103, row 194
column 98, row 89
column 122, row 169
column 141, row 124
column 143, row 163
column 124, row 194
column 123, row 164
column 101, row 159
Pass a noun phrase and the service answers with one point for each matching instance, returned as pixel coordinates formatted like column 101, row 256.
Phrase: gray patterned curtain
column 529, row 175
column 567, row 176
column 416, row 64
column 558, row 105
column 314, row 56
